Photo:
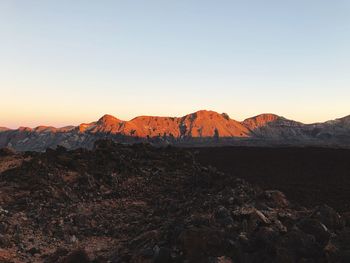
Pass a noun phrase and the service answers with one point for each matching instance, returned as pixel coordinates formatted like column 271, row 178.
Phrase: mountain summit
column 202, row 123
column 260, row 120
column 198, row 128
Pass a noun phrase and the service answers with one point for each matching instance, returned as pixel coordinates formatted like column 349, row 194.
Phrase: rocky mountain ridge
column 201, row 127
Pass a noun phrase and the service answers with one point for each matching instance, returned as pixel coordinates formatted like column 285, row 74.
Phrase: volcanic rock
column 122, row 203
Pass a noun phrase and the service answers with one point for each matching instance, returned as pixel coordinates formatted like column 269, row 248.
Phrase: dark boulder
column 329, row 217
column 315, row 228
column 77, row 256
column 6, row 152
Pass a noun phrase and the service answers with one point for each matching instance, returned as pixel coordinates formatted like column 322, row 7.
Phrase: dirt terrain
column 309, row 176
column 118, row 203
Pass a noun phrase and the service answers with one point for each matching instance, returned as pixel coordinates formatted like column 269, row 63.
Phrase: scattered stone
column 73, row 239
column 223, row 216
column 5, row 241
column 199, row 243
column 78, row 256
column 222, row 212
column 346, row 218
column 6, row 256
column 33, row 251
column 329, row 217
column 163, row 255
column 276, row 199
column 139, row 203
column 223, row 259
column 7, row 152
column 315, row 228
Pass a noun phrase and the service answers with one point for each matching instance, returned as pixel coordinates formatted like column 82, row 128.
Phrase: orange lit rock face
column 264, row 129
column 107, row 123
column 260, row 120
column 199, row 124
column 45, row 129
column 202, row 123
column 210, row 123
column 144, row 126
column 84, row 127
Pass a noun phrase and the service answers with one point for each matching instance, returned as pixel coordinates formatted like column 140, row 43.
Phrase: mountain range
column 199, row 128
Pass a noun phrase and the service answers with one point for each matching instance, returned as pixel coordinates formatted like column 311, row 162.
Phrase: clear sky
column 65, row 62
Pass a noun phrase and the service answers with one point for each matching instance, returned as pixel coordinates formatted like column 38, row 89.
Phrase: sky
column 67, row 62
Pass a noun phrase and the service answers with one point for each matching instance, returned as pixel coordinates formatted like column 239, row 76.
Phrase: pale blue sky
column 66, row 62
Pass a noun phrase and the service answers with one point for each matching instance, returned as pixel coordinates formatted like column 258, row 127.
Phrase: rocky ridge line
column 199, row 128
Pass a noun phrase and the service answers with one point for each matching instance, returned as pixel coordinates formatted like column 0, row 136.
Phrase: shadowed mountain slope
column 201, row 128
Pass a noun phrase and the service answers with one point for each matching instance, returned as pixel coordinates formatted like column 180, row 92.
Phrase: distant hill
column 199, row 128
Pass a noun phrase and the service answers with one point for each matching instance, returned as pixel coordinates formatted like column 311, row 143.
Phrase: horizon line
column 162, row 116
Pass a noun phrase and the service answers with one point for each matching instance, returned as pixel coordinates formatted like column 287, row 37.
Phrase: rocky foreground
column 138, row 203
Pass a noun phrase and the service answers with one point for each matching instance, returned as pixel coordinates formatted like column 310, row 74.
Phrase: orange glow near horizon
column 171, row 58
column 15, row 121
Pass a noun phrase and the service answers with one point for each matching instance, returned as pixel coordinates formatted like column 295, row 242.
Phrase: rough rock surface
column 118, row 203
column 309, row 176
